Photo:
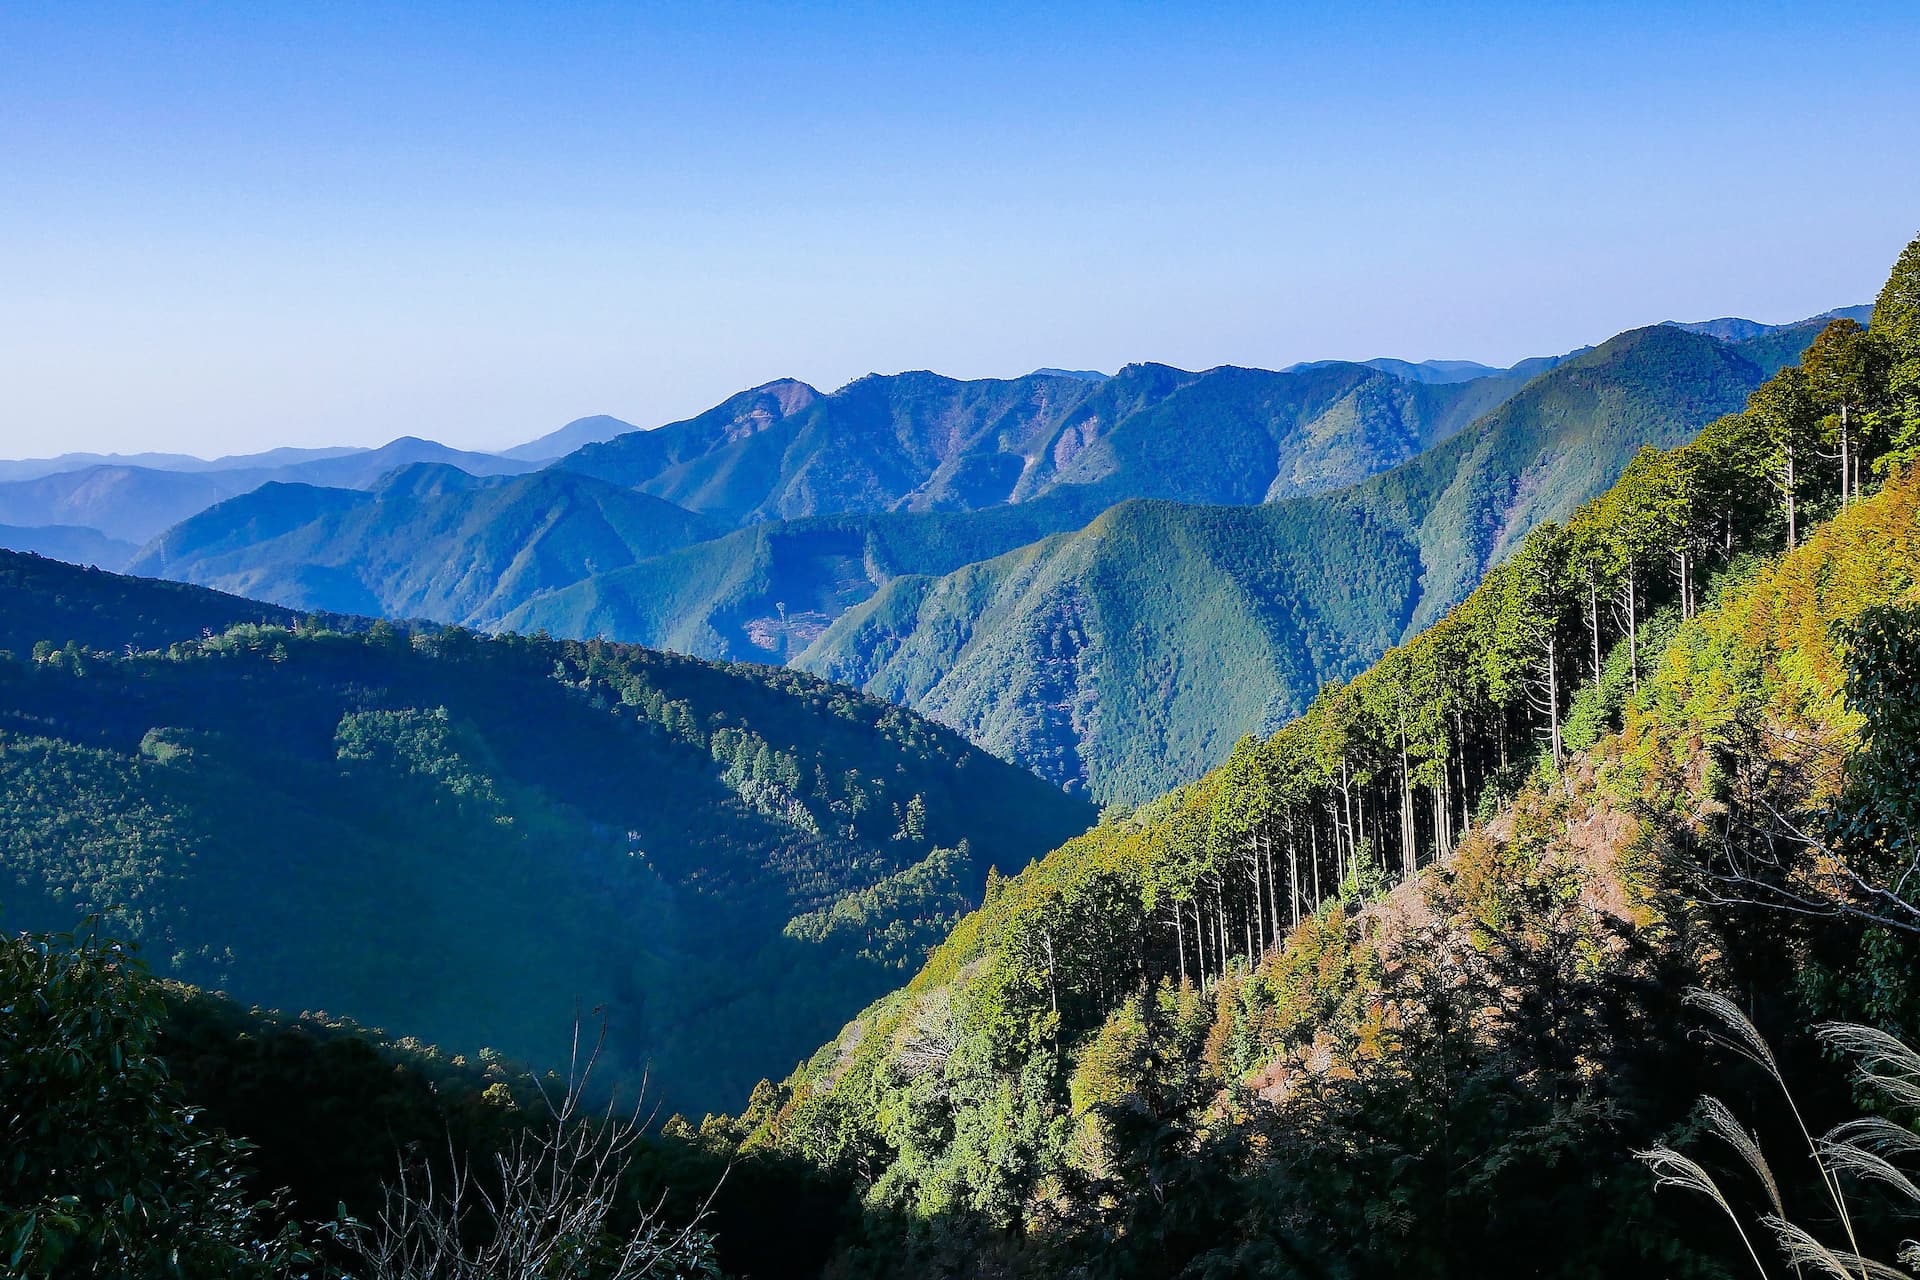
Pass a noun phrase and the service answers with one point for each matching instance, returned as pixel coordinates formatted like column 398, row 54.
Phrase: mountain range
column 1010, row 557
column 1295, row 525
column 132, row 503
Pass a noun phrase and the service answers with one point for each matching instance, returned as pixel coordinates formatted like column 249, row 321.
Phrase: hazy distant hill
column 135, row 503
column 70, row 543
column 31, row 468
column 473, row 840
column 1735, row 329
column 576, row 434
column 1443, row 371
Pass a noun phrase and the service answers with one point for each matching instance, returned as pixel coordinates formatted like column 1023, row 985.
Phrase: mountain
column 1735, row 329
column 474, row 838
column 33, row 468
column 128, row 504
column 765, row 591
column 1485, row 923
column 1227, row 435
column 428, row 541
column 133, row 504
column 1013, row 622
column 922, row 442
column 1088, row 375
column 575, row 435
column 1136, row 650
column 1443, row 371
column 69, row 542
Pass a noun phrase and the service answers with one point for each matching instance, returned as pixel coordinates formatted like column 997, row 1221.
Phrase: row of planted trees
column 1388, row 771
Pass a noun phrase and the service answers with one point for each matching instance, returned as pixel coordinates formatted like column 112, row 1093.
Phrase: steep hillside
column 1443, row 923
column 472, row 838
column 430, row 541
column 763, row 593
column 1135, row 651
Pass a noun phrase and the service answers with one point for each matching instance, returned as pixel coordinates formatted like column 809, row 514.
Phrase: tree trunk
column 1053, row 992
column 1843, row 453
column 1293, row 882
column 1792, row 520
column 1220, row 927
column 1466, row 795
column 1593, row 625
column 1199, row 940
column 1313, row 857
column 1406, row 804
column 1347, row 800
column 1180, row 939
column 1633, row 632
column 1553, row 696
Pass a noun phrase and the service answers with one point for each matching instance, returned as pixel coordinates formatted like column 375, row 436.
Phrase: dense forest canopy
column 470, row 838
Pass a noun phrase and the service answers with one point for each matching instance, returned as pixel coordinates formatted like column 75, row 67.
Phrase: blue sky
column 226, row 228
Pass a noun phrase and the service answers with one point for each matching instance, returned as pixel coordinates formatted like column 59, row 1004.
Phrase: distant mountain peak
column 791, row 394
column 1084, row 375
column 577, row 434
column 1740, row 329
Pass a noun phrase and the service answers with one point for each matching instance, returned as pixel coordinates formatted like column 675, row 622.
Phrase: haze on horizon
column 224, row 229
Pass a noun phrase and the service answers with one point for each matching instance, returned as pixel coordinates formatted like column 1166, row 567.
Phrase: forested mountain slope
column 766, row 592
column 428, row 541
column 919, row 441
column 1442, row 924
column 473, row 839
column 908, row 443
column 1133, row 652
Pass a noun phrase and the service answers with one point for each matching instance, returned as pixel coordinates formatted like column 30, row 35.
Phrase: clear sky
column 229, row 227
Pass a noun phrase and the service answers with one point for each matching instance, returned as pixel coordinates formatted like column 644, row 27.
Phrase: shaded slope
column 69, row 542
column 471, row 838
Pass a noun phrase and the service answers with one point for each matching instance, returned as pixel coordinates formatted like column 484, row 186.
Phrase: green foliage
column 464, row 553
column 104, row 1171
column 544, row 824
